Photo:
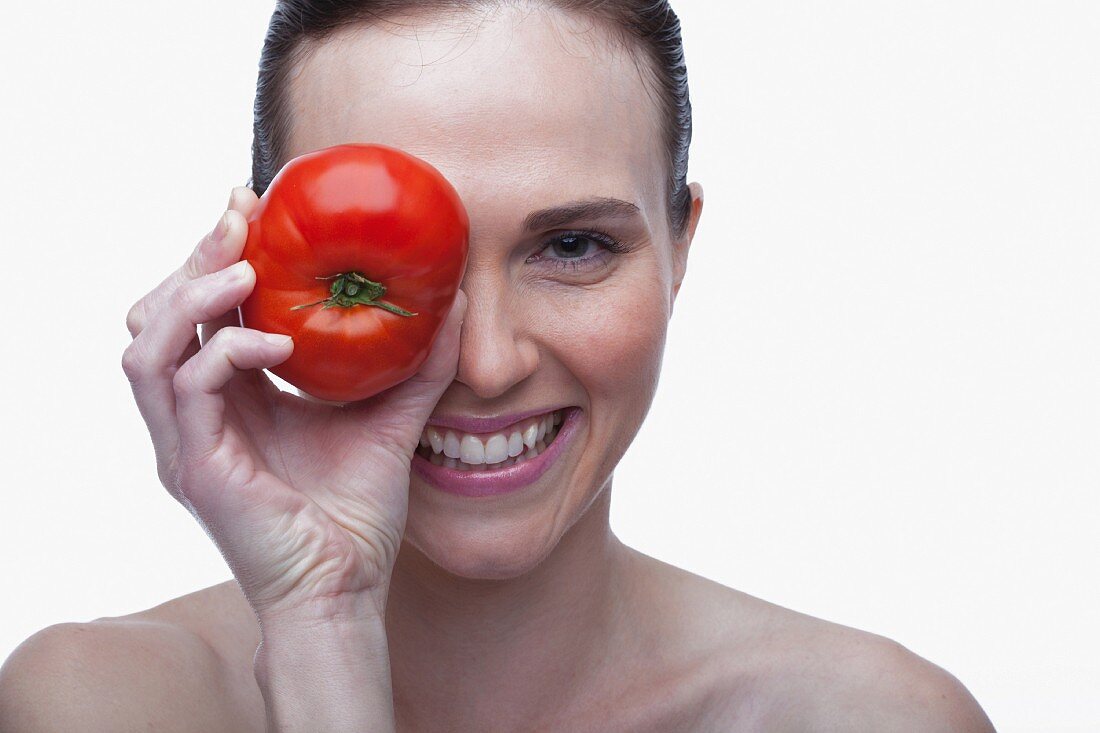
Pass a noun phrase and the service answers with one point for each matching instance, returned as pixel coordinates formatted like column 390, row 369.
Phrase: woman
column 373, row 590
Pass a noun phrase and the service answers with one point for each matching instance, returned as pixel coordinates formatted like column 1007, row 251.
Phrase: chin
column 475, row 551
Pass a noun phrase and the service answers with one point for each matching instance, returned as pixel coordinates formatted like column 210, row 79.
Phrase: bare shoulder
column 838, row 678
column 775, row 669
column 139, row 672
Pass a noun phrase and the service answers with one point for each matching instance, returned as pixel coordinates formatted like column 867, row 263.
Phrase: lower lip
column 502, row 480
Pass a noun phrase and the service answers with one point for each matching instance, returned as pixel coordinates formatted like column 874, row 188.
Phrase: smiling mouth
column 489, row 452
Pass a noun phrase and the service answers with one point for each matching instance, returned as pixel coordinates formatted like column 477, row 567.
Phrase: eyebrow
column 592, row 208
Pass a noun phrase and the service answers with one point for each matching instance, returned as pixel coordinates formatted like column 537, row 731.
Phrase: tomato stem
column 350, row 289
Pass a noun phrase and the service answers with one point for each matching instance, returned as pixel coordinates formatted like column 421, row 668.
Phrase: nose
column 496, row 352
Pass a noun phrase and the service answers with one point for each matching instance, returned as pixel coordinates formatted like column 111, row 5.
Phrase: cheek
column 611, row 338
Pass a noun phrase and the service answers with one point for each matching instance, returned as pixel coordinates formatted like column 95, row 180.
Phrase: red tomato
column 359, row 251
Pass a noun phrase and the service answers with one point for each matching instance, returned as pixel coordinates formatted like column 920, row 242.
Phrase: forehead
column 513, row 105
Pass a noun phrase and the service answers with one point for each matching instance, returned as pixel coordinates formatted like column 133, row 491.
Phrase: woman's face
column 523, row 110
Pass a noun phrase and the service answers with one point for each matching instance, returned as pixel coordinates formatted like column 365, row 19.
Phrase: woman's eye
column 578, row 250
column 571, row 245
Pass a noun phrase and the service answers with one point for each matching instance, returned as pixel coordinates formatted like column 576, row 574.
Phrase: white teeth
column 530, row 435
column 472, row 450
column 469, row 453
column 496, row 450
column 436, row 440
column 451, row 447
column 515, row 444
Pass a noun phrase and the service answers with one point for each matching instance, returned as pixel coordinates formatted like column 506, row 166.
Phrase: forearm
column 331, row 676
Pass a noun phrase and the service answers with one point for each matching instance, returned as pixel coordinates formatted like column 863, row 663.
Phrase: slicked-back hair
column 648, row 28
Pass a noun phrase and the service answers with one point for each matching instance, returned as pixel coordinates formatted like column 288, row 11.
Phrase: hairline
column 614, row 36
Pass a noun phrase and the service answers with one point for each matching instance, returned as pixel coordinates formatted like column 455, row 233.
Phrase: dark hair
column 651, row 24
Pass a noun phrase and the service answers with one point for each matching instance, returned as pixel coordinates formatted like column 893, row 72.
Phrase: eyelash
column 574, row 264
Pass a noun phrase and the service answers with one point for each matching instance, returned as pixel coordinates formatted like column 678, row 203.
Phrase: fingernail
column 237, row 271
column 276, row 339
column 221, row 229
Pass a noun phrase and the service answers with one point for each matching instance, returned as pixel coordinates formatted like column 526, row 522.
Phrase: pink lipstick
column 497, row 481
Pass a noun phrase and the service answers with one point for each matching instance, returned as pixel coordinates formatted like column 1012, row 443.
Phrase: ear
column 681, row 246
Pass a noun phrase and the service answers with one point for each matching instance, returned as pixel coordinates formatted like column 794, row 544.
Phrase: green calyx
column 350, row 289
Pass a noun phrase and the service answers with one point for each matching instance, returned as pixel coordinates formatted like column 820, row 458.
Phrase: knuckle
column 183, row 381
column 188, row 298
column 190, row 377
column 193, row 267
column 227, row 340
column 133, row 362
column 170, row 483
column 169, row 475
column 135, row 317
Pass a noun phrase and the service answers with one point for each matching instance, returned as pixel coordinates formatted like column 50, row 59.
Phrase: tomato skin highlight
column 365, row 208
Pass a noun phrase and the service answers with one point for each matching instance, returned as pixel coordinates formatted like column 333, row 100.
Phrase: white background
column 880, row 402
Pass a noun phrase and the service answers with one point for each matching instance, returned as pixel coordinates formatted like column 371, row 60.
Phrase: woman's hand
column 306, row 501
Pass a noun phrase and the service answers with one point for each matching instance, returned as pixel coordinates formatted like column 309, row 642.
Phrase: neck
column 523, row 645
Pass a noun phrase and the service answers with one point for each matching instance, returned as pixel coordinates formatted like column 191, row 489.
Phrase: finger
column 217, row 250
column 200, row 405
column 169, row 340
column 243, row 200
column 442, row 362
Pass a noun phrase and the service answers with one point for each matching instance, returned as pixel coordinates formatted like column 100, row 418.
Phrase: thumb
column 442, row 363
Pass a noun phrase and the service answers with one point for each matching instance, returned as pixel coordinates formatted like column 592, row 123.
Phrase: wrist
column 325, row 674
column 339, row 631
column 344, row 610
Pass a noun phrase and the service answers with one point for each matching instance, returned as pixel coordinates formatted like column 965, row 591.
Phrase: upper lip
column 470, row 424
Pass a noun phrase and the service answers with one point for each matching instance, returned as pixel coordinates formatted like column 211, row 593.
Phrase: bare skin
column 524, row 612
column 700, row 657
